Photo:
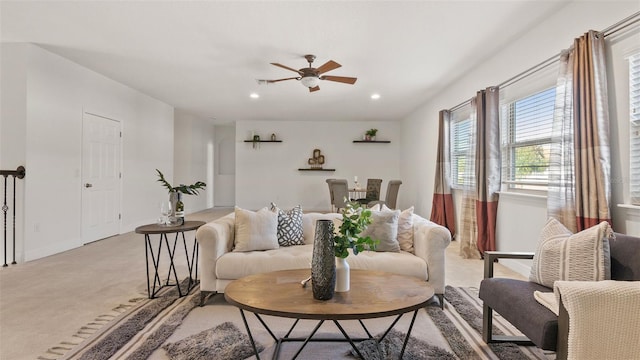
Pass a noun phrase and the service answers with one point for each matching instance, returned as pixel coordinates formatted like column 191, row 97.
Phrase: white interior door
column 101, row 144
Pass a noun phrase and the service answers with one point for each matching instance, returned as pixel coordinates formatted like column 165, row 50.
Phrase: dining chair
column 339, row 192
column 331, row 194
column 373, row 191
column 392, row 195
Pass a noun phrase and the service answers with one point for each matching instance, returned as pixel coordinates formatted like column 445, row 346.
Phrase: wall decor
column 317, row 160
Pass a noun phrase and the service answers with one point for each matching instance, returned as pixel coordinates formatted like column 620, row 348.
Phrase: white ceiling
column 203, row 57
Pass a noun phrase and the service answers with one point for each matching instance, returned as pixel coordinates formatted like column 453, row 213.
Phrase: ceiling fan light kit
column 310, row 76
column 310, row 81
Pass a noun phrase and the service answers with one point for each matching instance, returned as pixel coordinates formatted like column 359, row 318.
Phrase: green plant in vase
column 177, row 206
column 355, row 219
column 371, row 134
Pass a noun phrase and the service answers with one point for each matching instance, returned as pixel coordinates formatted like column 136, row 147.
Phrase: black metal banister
column 19, row 173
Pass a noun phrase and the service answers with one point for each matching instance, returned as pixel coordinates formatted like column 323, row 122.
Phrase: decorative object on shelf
column 355, row 219
column 273, row 137
column 323, row 264
column 317, row 160
column 256, row 141
column 176, row 214
column 370, row 135
column 357, row 185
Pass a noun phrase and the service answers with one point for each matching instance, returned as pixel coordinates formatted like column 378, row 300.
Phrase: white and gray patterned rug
column 176, row 328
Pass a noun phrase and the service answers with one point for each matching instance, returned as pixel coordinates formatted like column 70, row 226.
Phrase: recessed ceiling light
column 254, row 96
column 375, row 96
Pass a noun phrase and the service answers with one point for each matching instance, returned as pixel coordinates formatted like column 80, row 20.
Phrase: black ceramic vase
column 323, row 263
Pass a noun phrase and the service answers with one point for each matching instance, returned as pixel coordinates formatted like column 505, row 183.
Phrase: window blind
column 526, row 140
column 634, row 127
column 462, row 133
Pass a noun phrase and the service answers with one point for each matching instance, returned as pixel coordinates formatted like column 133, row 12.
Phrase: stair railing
column 18, row 173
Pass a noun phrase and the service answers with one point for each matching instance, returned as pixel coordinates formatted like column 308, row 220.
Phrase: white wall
column 193, row 158
column 52, row 93
column 225, row 165
column 13, row 106
column 419, row 130
column 270, row 173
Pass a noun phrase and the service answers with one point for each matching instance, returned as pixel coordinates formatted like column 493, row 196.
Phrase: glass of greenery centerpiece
column 176, row 216
column 355, row 219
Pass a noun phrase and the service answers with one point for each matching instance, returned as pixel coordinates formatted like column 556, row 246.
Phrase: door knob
column 87, row 185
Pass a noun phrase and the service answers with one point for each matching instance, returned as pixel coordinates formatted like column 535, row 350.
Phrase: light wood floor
column 47, row 300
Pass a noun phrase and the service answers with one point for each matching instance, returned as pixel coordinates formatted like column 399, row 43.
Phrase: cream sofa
column 220, row 265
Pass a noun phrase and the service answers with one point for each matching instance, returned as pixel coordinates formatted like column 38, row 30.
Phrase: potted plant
column 370, row 135
column 355, row 219
column 175, row 197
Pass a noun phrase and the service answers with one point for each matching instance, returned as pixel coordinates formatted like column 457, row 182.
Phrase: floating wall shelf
column 372, row 141
column 262, row 141
column 309, row 169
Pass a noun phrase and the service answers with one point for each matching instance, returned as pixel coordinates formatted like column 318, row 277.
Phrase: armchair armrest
column 491, row 256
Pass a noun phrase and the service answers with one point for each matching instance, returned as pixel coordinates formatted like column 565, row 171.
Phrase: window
column 462, row 148
column 526, row 141
column 634, row 127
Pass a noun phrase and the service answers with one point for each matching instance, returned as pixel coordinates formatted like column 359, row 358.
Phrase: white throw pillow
column 384, row 228
column 561, row 255
column 375, row 207
column 405, row 228
column 256, row 230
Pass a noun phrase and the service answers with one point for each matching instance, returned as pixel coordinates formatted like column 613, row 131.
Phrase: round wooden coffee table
column 373, row 294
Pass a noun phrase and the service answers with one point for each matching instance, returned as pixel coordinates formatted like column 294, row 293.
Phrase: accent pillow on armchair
column 562, row 255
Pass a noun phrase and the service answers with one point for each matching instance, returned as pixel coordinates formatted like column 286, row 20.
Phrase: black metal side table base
column 305, row 341
column 191, row 256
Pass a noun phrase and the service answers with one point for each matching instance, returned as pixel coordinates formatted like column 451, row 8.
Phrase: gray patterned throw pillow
column 289, row 226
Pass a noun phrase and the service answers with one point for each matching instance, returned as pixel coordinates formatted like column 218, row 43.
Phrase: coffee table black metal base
column 308, row 339
column 192, row 261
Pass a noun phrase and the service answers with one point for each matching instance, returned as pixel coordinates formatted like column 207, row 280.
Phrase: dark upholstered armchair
column 514, row 299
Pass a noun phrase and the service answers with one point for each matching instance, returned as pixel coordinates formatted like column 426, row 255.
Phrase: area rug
column 183, row 330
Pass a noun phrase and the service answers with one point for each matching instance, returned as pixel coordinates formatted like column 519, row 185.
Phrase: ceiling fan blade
column 328, row 66
column 274, row 81
column 286, row 67
column 342, row 79
column 316, row 88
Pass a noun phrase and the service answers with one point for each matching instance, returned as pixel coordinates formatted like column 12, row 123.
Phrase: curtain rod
column 620, row 25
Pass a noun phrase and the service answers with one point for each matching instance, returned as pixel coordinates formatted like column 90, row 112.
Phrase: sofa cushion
column 309, row 224
column 384, row 228
column 514, row 300
column 289, row 226
column 562, row 255
column 405, row 228
column 234, row 265
column 255, row 230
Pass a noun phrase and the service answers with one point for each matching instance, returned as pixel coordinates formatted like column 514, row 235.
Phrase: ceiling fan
column 310, row 76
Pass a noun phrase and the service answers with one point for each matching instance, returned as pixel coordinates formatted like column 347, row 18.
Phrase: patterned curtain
column 580, row 166
column 468, row 217
column 488, row 163
column 442, row 211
